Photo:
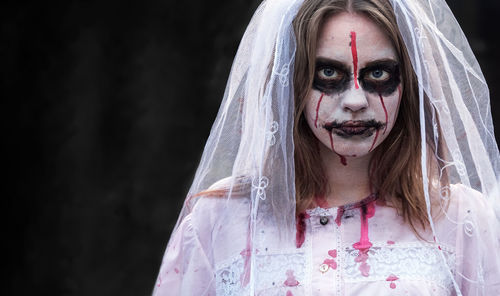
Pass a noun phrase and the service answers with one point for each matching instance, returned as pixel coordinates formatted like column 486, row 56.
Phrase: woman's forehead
column 343, row 31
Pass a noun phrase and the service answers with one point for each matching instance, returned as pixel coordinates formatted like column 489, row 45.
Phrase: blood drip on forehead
column 354, row 52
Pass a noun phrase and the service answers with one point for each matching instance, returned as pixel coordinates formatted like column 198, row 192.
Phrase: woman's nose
column 354, row 100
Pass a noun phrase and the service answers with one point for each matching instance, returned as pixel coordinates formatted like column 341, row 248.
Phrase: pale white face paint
column 354, row 106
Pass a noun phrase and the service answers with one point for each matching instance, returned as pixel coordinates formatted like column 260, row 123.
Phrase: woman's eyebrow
column 383, row 62
column 326, row 62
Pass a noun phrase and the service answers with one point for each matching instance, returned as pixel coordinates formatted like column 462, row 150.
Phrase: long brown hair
column 400, row 181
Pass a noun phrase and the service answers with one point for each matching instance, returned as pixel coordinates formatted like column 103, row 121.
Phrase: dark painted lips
column 354, row 128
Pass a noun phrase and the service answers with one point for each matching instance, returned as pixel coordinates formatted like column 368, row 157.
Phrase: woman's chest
column 338, row 256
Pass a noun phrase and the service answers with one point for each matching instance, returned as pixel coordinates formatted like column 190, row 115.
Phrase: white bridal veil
column 249, row 155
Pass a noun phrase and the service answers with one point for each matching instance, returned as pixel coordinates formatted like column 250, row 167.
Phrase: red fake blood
column 340, row 213
column 289, row 293
column 246, row 254
column 354, row 58
column 374, row 140
column 331, row 262
column 343, row 160
column 391, row 279
column 317, row 111
column 385, row 111
column 364, row 244
column 301, row 228
column 389, row 242
column 321, row 202
column 291, row 281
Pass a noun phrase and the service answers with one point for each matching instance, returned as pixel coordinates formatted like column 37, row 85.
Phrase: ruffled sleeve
column 186, row 268
column 478, row 245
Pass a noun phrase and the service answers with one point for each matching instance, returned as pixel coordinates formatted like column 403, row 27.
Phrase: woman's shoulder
column 467, row 207
column 226, row 200
column 464, row 198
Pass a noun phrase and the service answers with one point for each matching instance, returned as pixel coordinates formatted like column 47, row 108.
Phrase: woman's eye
column 329, row 74
column 378, row 75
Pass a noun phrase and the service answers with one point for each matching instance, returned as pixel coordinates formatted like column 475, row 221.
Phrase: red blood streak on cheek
column 291, row 281
column 385, row 111
column 374, row 140
column 343, row 160
column 317, row 110
column 354, row 52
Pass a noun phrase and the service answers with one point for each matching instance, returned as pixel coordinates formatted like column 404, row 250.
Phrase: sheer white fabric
column 398, row 263
column 243, row 241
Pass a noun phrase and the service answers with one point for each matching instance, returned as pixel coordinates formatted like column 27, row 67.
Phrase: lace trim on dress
column 410, row 262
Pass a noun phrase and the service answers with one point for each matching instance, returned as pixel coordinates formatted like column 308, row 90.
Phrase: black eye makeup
column 330, row 76
column 380, row 77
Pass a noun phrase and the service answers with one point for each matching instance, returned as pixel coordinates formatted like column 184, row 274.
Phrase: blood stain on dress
column 246, row 254
column 390, row 242
column 331, row 262
column 291, row 281
column 176, row 270
column 364, row 244
column 340, row 213
column 301, row 227
column 354, row 52
column 317, row 110
column 391, row 279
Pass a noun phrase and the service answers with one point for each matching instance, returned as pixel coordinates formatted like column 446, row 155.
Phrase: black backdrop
column 106, row 106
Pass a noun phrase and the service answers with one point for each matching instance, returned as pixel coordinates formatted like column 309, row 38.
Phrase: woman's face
column 356, row 91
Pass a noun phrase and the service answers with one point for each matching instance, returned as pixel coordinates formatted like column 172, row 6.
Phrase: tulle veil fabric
column 248, row 160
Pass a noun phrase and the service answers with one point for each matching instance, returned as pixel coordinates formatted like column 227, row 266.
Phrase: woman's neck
column 348, row 181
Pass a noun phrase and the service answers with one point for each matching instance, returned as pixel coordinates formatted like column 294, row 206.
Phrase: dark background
column 106, row 106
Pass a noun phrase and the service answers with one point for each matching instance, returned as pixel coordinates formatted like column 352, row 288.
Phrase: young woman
column 353, row 154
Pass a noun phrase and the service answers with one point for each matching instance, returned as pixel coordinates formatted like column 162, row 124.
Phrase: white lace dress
column 360, row 249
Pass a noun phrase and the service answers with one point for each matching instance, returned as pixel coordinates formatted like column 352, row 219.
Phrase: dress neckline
column 350, row 206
